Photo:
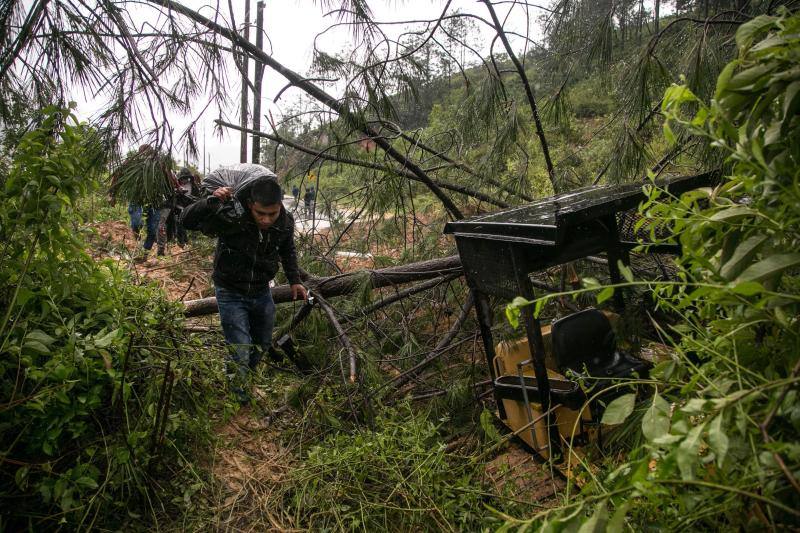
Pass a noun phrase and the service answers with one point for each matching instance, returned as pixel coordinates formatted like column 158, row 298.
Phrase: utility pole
column 259, row 73
column 245, row 66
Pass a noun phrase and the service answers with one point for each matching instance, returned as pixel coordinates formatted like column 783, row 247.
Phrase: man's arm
column 201, row 215
column 198, row 215
column 288, row 255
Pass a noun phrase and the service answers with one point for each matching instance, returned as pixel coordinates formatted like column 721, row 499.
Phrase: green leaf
column 597, row 523
column 617, row 522
column 724, row 78
column 741, row 256
column 731, row 213
column 748, row 288
column 86, row 482
column 687, row 452
column 717, row 439
column 695, row 406
column 21, row 477
column 625, row 270
column 619, row 409
column 37, row 347
column 791, row 103
column 487, row 424
column 770, row 267
column 655, row 422
column 40, row 336
column 605, row 294
column 750, row 29
column 668, row 134
column 106, row 339
column 591, row 283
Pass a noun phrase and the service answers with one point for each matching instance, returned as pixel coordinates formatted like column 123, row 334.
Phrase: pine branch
column 317, row 93
column 322, row 154
column 528, row 92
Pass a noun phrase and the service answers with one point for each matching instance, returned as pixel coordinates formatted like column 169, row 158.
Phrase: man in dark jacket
column 254, row 233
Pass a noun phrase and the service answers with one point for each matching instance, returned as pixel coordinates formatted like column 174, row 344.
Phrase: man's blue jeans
column 153, row 217
column 247, row 323
column 135, row 212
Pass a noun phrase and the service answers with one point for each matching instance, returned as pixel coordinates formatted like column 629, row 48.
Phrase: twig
column 160, row 406
column 401, row 379
column 766, row 423
column 405, row 293
column 187, row 289
column 342, row 336
column 433, row 394
column 528, row 92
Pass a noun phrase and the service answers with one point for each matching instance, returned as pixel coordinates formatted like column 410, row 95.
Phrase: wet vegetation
column 114, row 407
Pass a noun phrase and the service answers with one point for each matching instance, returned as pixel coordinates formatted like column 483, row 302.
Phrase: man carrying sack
column 244, row 210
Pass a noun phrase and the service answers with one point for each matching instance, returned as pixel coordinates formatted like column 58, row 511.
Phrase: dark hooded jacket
column 246, row 258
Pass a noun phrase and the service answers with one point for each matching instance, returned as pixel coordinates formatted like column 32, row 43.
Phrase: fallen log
column 347, row 283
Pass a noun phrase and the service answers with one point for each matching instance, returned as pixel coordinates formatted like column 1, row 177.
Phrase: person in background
column 138, row 209
column 187, row 193
column 295, row 193
column 308, row 198
column 135, row 214
column 254, row 233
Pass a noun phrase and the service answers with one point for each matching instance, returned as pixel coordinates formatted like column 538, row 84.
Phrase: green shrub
column 395, row 478
column 90, row 378
column 589, row 99
column 722, row 427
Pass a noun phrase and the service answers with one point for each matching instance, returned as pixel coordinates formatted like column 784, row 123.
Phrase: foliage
column 723, row 423
column 87, row 359
column 395, row 478
column 144, row 178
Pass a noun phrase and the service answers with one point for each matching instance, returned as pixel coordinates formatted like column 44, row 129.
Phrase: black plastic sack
column 240, row 178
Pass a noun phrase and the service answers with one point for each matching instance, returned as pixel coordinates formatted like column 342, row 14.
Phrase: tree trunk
column 245, row 63
column 658, row 5
column 256, row 151
column 347, row 283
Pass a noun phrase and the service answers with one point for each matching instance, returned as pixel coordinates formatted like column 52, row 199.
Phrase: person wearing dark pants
column 246, row 322
column 254, row 234
column 152, row 217
column 135, row 212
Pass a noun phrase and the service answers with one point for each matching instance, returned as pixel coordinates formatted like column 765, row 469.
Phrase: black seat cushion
column 585, row 343
column 583, row 339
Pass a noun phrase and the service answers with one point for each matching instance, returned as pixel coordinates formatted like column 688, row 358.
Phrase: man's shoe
column 274, row 355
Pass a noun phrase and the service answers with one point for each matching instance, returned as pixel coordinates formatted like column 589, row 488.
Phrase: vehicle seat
column 585, row 343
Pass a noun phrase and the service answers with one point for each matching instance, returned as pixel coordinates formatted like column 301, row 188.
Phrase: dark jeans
column 135, row 212
column 153, row 216
column 247, row 323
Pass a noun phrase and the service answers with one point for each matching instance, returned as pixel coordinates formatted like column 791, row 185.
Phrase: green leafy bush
column 722, row 427
column 90, row 378
column 591, row 99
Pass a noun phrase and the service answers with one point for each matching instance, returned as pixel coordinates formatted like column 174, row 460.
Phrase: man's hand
column 223, row 193
column 298, row 291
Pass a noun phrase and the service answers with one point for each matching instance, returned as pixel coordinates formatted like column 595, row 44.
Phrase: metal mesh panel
column 488, row 266
column 626, row 224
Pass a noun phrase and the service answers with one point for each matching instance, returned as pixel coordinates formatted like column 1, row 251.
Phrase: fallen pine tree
column 347, row 283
